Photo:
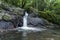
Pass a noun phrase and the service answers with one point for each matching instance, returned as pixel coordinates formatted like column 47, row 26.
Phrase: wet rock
column 37, row 22
column 53, row 26
column 20, row 23
column 33, row 15
column 6, row 25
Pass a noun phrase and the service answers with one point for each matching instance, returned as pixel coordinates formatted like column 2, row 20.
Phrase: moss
column 7, row 17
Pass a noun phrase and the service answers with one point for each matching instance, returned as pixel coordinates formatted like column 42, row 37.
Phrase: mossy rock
column 0, row 16
column 7, row 17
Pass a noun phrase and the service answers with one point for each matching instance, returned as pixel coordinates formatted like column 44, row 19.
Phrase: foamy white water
column 25, row 20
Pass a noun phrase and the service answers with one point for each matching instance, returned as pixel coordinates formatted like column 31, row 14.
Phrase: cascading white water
column 25, row 20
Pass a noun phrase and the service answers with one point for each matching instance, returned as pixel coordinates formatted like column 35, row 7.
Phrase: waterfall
column 25, row 20
column 26, row 28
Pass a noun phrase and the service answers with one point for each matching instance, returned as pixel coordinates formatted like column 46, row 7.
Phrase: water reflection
column 45, row 35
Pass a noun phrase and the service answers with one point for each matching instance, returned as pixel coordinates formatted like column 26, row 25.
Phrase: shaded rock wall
column 10, row 14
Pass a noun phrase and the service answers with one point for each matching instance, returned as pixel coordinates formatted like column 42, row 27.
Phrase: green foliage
column 51, row 12
column 18, row 3
column 49, row 16
column 12, row 2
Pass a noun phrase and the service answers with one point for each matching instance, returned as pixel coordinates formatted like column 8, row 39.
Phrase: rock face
column 37, row 22
column 10, row 14
column 6, row 25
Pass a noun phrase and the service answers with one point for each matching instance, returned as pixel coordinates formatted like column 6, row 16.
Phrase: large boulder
column 37, row 22
column 6, row 25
